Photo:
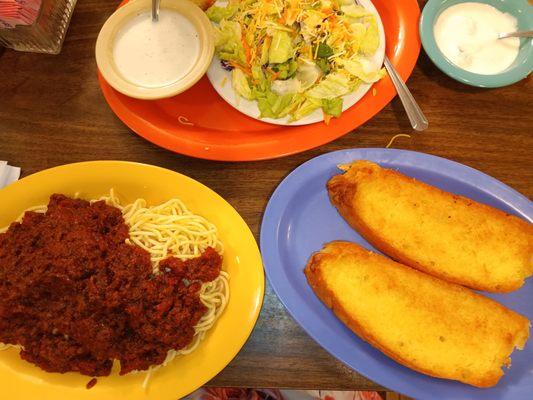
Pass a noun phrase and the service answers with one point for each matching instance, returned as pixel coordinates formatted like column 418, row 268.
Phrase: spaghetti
column 171, row 230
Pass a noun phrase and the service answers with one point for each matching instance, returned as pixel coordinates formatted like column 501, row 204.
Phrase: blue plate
column 299, row 219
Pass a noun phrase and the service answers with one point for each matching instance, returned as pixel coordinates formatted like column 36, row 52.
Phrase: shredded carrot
column 273, row 74
column 247, row 52
column 246, row 70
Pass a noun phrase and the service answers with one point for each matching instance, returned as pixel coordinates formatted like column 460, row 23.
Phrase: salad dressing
column 156, row 54
column 467, row 34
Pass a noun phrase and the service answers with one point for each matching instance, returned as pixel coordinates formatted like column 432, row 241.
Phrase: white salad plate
column 221, row 81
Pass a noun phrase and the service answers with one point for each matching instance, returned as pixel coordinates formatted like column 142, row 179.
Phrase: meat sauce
column 77, row 297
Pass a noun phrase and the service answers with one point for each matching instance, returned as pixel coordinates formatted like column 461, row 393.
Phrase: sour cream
column 156, row 54
column 467, row 34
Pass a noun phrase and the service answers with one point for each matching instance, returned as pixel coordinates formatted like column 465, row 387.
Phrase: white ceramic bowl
column 106, row 39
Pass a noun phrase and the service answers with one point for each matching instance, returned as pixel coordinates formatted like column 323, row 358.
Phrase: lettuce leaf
column 272, row 105
column 288, row 86
column 240, row 84
column 332, row 106
column 217, row 14
column 334, row 85
column 370, row 42
column 355, row 11
column 362, row 68
column 307, row 73
column 305, row 108
column 228, row 45
column 286, row 70
column 265, row 47
column 281, row 48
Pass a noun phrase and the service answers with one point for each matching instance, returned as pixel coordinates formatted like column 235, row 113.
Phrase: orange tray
column 219, row 132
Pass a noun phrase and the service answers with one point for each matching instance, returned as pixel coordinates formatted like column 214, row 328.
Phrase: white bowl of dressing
column 153, row 60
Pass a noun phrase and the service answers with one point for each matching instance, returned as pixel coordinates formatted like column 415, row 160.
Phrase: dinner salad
column 296, row 56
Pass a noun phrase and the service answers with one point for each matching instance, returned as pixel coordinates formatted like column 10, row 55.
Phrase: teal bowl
column 520, row 69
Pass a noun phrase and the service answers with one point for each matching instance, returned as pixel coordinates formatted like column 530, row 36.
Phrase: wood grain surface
column 52, row 112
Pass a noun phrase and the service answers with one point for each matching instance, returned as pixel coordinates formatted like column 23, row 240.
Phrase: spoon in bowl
column 526, row 34
column 155, row 10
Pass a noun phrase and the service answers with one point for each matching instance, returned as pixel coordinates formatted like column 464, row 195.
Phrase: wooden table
column 52, row 112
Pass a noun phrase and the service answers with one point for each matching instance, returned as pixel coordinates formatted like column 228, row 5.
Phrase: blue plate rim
column 512, row 198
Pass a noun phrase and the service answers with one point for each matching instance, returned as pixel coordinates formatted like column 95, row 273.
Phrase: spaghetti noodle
column 396, row 137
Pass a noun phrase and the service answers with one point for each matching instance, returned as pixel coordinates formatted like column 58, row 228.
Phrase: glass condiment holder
column 46, row 34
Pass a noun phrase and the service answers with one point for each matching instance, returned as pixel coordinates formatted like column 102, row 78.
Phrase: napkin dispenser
column 35, row 25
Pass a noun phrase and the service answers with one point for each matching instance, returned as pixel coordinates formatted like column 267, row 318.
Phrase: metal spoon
column 526, row 34
column 155, row 10
column 417, row 118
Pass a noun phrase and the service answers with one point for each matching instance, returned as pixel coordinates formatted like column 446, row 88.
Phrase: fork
column 417, row 118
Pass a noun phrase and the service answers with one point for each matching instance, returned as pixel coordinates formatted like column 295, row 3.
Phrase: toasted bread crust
column 349, row 191
column 315, row 272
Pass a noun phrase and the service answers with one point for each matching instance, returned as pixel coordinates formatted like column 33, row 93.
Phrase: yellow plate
column 22, row 380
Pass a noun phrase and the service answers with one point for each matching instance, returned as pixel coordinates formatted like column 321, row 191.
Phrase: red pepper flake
column 91, row 383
